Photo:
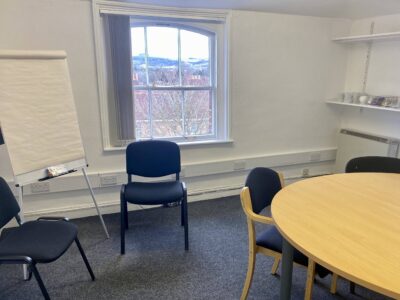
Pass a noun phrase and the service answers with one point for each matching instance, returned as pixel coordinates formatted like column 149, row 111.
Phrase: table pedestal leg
column 286, row 271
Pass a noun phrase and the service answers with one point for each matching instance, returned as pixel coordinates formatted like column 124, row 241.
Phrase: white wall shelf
column 373, row 107
column 368, row 37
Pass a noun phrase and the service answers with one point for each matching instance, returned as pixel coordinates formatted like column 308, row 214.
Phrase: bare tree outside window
column 172, row 82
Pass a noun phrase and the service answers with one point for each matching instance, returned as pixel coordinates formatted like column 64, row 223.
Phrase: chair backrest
column 263, row 184
column 9, row 207
column 379, row 164
column 153, row 158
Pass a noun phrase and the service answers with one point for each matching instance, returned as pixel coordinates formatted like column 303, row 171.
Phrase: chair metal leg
column 84, row 258
column 185, row 210
column 250, row 272
column 40, row 282
column 122, row 226
column 126, row 215
column 182, row 214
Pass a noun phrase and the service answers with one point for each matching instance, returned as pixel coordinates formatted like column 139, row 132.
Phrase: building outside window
column 162, row 73
column 173, row 81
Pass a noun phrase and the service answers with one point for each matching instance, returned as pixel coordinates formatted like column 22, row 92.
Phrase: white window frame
column 212, row 87
column 170, row 15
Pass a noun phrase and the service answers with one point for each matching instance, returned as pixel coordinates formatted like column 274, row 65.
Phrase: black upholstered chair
column 262, row 184
column 377, row 164
column 154, row 159
column 40, row 241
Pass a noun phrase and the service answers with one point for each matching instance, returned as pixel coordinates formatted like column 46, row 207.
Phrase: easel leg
column 95, row 203
column 21, row 216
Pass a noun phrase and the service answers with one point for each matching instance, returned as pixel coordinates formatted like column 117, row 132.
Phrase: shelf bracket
column 367, row 59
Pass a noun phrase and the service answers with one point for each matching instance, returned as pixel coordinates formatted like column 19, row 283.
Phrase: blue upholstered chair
column 40, row 241
column 153, row 158
column 262, row 184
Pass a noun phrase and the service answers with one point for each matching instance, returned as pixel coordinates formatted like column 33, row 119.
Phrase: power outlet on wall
column 40, row 187
column 315, row 157
column 239, row 165
column 108, row 180
column 305, row 173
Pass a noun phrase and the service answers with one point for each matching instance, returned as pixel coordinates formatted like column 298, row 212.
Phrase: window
column 173, row 83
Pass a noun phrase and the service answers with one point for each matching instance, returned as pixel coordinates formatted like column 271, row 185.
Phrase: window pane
column 195, row 56
column 167, row 113
column 142, row 116
column 162, row 47
column 198, row 113
column 138, row 56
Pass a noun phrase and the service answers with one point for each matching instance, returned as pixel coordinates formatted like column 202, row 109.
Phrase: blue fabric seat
column 271, row 238
column 153, row 158
column 261, row 185
column 153, row 193
column 40, row 241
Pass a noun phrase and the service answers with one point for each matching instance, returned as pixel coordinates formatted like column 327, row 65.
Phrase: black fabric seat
column 43, row 241
column 153, row 193
column 40, row 241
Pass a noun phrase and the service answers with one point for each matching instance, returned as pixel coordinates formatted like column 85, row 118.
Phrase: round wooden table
column 348, row 223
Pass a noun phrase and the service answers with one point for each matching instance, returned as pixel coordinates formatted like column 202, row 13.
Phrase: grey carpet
column 157, row 267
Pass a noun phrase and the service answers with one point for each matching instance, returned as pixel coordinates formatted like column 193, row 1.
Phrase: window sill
column 181, row 144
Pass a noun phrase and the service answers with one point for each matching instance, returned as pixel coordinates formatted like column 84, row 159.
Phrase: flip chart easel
column 38, row 118
column 41, row 175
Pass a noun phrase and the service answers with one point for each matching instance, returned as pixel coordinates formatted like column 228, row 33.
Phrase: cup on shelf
column 363, row 99
column 347, row 97
column 355, row 97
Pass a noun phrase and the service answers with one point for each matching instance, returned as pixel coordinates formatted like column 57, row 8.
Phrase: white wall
column 282, row 69
column 383, row 76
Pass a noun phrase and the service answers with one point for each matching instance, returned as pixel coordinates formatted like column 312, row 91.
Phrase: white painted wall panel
column 282, row 69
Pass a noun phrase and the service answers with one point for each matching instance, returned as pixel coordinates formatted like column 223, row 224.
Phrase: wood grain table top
column 349, row 223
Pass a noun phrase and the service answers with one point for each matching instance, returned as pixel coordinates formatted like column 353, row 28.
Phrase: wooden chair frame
column 252, row 217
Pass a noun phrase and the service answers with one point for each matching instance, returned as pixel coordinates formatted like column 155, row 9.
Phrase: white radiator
column 353, row 143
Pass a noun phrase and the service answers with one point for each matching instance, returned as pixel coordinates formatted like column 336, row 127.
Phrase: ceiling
column 349, row 9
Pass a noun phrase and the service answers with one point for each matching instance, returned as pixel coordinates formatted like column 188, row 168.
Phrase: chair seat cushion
column 43, row 241
column 272, row 239
column 153, row 192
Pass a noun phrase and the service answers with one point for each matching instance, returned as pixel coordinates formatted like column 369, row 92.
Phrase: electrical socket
column 239, row 165
column 306, row 172
column 40, row 187
column 315, row 157
column 108, row 180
